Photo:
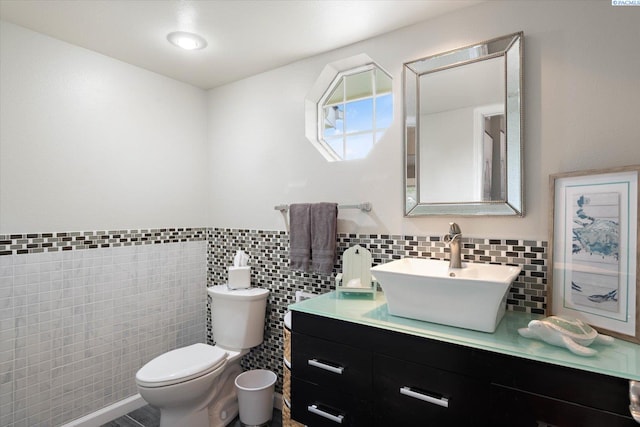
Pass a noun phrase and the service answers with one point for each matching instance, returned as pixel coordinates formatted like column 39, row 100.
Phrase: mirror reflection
column 455, row 107
column 463, row 131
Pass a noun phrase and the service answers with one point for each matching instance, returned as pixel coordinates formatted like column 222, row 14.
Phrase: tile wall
column 80, row 313
column 269, row 251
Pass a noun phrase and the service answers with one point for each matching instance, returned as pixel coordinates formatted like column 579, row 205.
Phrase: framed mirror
column 463, row 130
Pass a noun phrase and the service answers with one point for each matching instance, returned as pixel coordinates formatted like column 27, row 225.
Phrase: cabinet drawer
column 331, row 365
column 512, row 407
column 413, row 394
column 317, row 406
column 583, row 388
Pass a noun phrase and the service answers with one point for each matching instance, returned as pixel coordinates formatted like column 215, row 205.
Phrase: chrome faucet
column 453, row 240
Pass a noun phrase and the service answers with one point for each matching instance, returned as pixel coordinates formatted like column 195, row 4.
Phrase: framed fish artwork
column 593, row 244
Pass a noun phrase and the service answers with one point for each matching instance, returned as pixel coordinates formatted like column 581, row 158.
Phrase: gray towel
column 299, row 237
column 324, row 225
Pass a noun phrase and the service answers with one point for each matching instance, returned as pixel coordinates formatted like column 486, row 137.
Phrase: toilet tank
column 238, row 316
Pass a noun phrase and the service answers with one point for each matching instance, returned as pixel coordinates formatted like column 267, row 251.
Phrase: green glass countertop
column 622, row 359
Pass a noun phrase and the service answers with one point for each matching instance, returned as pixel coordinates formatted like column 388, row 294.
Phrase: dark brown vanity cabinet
column 350, row 374
column 527, row 393
column 332, row 385
column 407, row 393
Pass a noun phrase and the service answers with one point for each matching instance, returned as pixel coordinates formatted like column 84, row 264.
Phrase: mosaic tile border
column 269, row 252
column 17, row 244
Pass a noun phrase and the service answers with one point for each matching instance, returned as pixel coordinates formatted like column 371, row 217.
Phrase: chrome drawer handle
column 335, row 418
column 318, row 364
column 443, row 401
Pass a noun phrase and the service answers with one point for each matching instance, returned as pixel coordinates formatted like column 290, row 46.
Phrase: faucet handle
column 454, row 229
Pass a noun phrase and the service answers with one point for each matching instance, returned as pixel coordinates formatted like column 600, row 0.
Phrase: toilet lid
column 222, row 292
column 181, row 365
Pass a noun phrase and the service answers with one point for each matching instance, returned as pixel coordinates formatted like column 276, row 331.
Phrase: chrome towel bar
column 364, row 207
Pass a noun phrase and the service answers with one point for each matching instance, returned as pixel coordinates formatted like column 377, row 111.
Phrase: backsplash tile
column 80, row 312
column 269, row 252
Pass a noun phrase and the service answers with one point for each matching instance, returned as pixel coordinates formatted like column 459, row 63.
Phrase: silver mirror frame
column 511, row 48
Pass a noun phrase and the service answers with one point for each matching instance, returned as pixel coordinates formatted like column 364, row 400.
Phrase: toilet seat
column 181, row 365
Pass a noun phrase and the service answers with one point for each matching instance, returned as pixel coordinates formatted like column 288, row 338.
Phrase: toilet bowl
column 194, row 386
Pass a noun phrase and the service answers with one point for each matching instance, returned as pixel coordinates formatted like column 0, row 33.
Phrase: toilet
column 194, row 386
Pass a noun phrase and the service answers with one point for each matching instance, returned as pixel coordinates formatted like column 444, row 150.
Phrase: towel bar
column 364, row 207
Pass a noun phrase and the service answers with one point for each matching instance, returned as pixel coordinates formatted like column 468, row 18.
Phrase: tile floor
column 148, row 416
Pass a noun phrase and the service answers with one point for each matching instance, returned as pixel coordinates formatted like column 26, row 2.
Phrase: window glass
column 355, row 111
column 359, row 145
column 359, row 116
column 384, row 111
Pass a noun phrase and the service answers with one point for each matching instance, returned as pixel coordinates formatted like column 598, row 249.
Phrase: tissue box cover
column 239, row 277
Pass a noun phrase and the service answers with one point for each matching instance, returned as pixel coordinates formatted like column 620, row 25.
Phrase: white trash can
column 255, row 396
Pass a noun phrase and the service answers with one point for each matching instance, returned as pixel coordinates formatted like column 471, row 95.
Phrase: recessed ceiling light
column 188, row 41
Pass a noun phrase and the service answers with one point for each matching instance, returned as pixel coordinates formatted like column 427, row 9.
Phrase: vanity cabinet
column 351, row 374
column 526, row 392
column 332, row 384
column 407, row 392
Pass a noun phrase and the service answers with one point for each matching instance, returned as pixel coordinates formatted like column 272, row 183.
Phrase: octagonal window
column 354, row 109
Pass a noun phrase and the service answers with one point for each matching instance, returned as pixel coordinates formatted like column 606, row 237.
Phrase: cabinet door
column 413, row 394
column 317, row 406
column 602, row 392
column 512, row 407
column 332, row 365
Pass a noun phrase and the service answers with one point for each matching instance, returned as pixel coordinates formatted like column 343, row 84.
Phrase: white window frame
column 331, row 77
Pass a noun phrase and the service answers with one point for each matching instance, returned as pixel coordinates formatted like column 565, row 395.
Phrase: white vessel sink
column 471, row 297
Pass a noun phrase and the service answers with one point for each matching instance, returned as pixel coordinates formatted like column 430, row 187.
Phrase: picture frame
column 593, row 249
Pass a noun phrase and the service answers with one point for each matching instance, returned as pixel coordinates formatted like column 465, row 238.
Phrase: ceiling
column 245, row 37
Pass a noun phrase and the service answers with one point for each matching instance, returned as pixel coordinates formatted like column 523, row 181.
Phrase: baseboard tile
column 123, row 407
column 109, row 413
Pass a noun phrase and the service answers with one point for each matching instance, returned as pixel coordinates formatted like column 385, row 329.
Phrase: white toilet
column 194, row 386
